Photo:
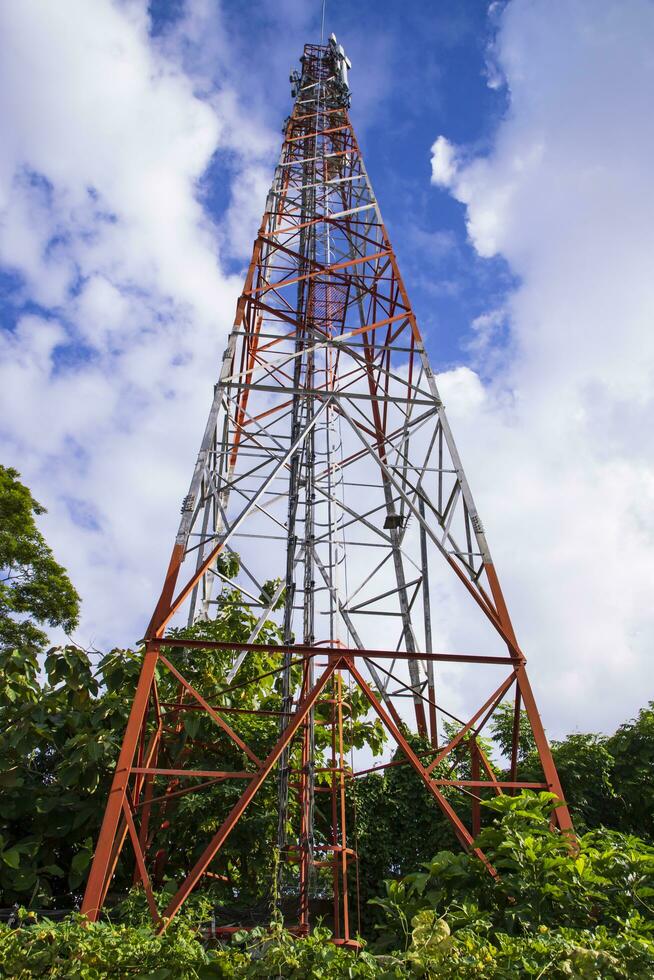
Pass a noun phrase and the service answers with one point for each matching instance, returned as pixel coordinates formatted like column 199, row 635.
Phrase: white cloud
column 443, row 162
column 200, row 42
column 249, row 193
column 103, row 396
column 560, row 452
column 486, row 338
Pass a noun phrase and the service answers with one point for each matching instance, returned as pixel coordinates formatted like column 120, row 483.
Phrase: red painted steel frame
column 376, row 374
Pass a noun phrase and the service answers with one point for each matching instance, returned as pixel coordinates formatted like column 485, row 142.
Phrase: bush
column 559, row 908
column 90, row 951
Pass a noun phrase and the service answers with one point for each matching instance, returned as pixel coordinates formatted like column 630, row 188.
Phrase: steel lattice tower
column 328, row 463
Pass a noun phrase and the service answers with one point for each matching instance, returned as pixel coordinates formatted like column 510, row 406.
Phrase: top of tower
column 326, row 65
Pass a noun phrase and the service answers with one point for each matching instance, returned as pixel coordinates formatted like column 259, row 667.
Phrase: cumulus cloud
column 105, row 388
column 443, row 162
column 210, row 54
column 561, row 447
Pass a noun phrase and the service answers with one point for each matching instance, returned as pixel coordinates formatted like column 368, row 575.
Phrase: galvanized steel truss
column 327, row 459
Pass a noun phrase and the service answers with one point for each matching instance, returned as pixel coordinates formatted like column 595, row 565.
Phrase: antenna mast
column 328, row 490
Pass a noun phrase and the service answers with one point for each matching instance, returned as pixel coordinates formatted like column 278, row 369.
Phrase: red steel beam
column 300, row 648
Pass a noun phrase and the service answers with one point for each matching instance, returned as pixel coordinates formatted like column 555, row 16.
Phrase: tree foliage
column 555, row 911
column 569, row 906
column 396, row 823
column 501, row 728
column 608, row 780
column 632, row 749
column 34, row 589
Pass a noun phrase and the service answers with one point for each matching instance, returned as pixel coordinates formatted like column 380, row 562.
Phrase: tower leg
column 104, row 857
column 562, row 814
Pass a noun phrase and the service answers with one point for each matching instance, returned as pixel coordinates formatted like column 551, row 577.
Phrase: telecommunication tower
column 327, row 464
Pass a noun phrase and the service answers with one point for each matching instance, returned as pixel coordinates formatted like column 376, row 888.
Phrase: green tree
column 58, row 742
column 34, row 589
column 501, row 728
column 632, row 751
column 586, row 768
column 555, row 908
column 593, row 779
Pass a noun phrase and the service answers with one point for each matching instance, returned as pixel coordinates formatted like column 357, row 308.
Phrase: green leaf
column 80, row 861
column 53, row 869
column 11, row 857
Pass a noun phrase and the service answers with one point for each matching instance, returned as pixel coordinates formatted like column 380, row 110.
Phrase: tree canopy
column 34, row 589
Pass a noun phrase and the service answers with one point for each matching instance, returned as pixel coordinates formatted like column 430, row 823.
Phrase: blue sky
column 418, row 69
column 510, row 147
